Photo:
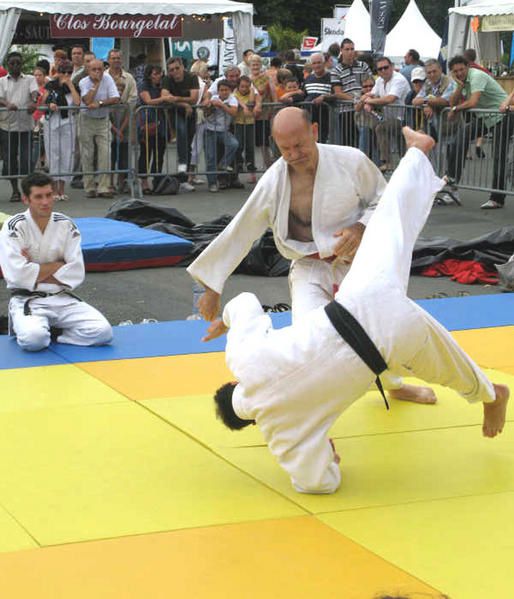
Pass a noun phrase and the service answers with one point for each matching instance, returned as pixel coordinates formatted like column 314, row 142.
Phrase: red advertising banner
column 135, row 26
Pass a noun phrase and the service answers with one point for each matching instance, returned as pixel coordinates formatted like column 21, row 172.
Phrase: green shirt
column 492, row 93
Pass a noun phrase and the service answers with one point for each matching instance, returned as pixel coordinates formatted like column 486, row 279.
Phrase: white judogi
column 296, row 381
column 81, row 323
column 347, row 188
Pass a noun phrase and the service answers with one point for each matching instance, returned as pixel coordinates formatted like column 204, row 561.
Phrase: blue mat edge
column 181, row 337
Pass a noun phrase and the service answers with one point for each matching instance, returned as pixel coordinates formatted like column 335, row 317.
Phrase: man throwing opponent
column 296, row 381
column 317, row 199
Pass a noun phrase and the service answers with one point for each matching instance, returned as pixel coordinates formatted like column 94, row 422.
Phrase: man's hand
column 209, row 304
column 318, row 100
column 216, row 329
column 11, row 106
column 504, row 106
column 428, row 111
column 348, row 241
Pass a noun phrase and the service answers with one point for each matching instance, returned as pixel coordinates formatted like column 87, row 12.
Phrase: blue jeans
column 229, row 143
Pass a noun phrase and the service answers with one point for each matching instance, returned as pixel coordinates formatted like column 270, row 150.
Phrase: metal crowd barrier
column 158, row 141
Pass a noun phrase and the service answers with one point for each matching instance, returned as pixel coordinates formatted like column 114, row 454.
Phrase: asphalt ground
column 166, row 293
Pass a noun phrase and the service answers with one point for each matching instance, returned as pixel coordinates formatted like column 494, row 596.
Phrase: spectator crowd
column 87, row 121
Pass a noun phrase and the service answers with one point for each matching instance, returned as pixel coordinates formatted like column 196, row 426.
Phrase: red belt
column 328, row 259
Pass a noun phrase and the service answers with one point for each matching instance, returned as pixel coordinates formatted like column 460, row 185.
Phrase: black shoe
column 236, row 184
column 78, row 184
column 479, row 152
column 15, row 197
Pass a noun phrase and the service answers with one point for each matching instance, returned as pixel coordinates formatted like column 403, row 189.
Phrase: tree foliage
column 285, row 38
column 293, row 13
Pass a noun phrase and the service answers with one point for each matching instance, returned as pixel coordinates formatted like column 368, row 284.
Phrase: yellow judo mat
column 117, row 481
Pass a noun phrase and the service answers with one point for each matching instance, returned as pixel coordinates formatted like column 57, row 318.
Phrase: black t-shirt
column 57, row 95
column 181, row 88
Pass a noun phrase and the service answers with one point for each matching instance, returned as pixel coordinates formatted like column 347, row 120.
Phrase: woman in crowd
column 38, row 146
column 266, row 94
column 59, row 128
column 151, row 127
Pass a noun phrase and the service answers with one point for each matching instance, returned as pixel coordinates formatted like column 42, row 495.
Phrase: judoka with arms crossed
column 295, row 382
column 41, row 260
column 317, row 199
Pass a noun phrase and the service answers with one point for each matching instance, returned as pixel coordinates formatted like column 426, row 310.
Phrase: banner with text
column 332, row 30
column 380, row 15
column 133, row 26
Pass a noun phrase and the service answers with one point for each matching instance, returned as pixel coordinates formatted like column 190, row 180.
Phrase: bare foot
column 418, row 139
column 414, row 393
column 494, row 413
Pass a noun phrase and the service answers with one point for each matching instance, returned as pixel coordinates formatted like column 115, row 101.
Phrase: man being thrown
column 41, row 260
column 296, row 381
column 317, row 199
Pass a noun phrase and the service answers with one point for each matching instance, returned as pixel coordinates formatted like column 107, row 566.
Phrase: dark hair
column 470, row 54
column 225, row 83
column 44, row 65
column 149, row 69
column 381, row 59
column 459, row 59
column 249, row 51
column 34, row 180
column 289, row 55
column 291, row 79
column 77, row 46
column 275, row 62
column 173, row 59
column 225, row 410
column 89, row 53
column 347, row 40
column 244, row 78
column 334, row 49
column 414, row 54
column 13, row 55
column 66, row 65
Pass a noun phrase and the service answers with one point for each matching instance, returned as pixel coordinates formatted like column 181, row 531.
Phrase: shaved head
column 296, row 138
column 291, row 119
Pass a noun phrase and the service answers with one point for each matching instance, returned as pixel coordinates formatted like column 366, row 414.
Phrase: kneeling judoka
column 41, row 260
column 295, row 382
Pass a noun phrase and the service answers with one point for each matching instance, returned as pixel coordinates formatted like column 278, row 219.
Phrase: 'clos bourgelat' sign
column 136, row 26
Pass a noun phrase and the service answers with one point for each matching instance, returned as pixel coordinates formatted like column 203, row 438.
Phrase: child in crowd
column 219, row 112
column 293, row 94
column 245, row 126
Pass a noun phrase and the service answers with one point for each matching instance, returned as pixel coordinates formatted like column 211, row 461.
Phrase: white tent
column 461, row 37
column 412, row 31
column 241, row 13
column 358, row 26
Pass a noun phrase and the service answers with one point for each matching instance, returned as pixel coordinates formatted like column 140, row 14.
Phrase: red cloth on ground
column 462, row 271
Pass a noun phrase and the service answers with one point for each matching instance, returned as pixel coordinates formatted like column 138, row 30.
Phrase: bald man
column 317, row 199
column 97, row 91
column 296, row 381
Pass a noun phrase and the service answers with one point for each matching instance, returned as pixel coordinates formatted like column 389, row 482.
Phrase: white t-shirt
column 396, row 86
column 219, row 120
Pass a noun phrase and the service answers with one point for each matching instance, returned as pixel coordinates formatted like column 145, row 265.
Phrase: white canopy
column 460, row 35
column 481, row 8
column 358, row 26
column 412, row 31
column 241, row 14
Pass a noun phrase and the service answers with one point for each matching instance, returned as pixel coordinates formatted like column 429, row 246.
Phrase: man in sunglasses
column 389, row 94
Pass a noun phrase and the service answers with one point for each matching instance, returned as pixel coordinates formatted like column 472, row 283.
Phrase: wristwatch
column 100, row 102
column 454, row 108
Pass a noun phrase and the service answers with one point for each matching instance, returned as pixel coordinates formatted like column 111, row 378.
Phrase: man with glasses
column 318, row 89
column 347, row 78
column 180, row 89
column 18, row 94
column 388, row 96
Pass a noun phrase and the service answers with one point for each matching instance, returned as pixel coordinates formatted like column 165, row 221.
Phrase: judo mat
column 114, row 245
column 118, row 481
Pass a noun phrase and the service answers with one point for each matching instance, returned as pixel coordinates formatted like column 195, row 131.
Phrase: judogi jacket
column 59, row 242
column 347, row 188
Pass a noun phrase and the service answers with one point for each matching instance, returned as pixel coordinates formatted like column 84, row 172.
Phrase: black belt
column 32, row 295
column 357, row 338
